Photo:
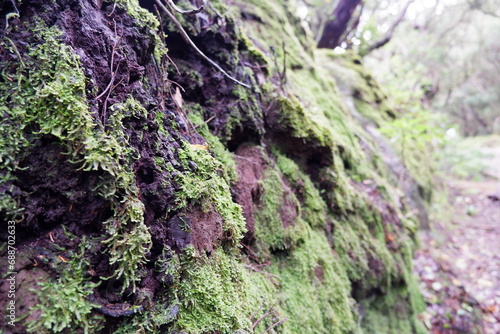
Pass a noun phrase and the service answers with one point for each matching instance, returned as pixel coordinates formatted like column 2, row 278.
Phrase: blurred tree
column 445, row 53
column 335, row 29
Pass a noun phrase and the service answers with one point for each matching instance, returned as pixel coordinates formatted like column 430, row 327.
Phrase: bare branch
column 390, row 32
column 331, row 36
column 276, row 324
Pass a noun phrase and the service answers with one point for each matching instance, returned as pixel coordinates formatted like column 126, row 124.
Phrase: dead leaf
column 199, row 147
column 177, row 97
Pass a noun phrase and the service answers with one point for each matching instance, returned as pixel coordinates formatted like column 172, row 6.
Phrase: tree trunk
column 333, row 31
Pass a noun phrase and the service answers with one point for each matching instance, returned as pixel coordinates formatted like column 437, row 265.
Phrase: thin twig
column 188, row 40
column 205, row 122
column 254, row 255
column 176, row 68
column 283, row 73
column 178, row 10
column 113, row 74
column 178, row 84
column 256, row 323
column 276, row 324
column 262, row 271
column 114, row 7
column 255, row 313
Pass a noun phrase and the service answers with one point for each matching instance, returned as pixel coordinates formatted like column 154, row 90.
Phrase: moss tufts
column 212, row 293
column 202, row 183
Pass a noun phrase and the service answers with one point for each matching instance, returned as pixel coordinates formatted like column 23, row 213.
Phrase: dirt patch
column 206, row 229
column 25, row 281
column 289, row 209
column 250, row 165
column 319, row 272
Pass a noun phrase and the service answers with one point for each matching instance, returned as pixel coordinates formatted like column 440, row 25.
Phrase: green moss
column 63, row 303
column 304, row 126
column 48, row 98
column 205, row 186
column 215, row 146
column 143, row 17
column 369, row 111
column 312, row 204
column 308, row 288
column 129, row 240
column 270, row 230
column 212, row 293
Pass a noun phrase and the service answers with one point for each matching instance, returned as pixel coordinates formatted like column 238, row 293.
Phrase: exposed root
column 188, row 40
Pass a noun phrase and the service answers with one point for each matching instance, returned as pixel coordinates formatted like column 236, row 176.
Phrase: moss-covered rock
column 175, row 200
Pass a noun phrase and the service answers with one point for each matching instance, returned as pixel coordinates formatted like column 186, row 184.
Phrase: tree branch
column 390, row 32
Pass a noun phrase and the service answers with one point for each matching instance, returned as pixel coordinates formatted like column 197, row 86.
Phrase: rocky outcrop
column 151, row 193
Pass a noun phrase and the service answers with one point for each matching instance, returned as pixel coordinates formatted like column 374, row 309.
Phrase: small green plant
column 416, row 137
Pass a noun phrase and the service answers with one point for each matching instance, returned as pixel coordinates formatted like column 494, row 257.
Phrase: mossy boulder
column 154, row 195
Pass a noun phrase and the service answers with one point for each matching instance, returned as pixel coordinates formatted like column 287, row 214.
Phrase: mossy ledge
column 153, row 195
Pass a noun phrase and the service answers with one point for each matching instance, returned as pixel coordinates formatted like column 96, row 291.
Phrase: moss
column 64, row 302
column 309, row 290
column 202, row 184
column 212, row 293
column 313, row 206
column 270, row 230
column 306, row 275
column 64, row 305
column 215, row 146
column 143, row 17
column 293, row 117
column 128, row 237
column 49, row 99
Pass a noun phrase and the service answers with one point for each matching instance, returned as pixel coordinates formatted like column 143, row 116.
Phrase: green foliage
column 465, row 158
column 416, row 136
